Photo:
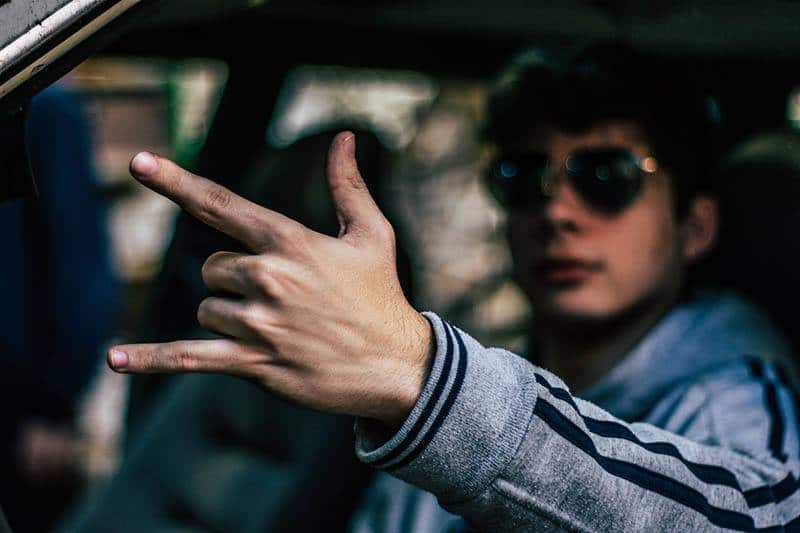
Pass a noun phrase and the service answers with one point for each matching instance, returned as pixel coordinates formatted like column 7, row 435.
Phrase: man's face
column 576, row 263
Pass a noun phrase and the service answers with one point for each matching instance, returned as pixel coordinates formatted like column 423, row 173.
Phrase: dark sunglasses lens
column 609, row 180
column 514, row 180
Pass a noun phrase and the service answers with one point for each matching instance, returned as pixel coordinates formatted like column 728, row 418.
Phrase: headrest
column 759, row 246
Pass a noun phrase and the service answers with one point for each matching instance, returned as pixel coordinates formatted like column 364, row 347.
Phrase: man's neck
column 581, row 355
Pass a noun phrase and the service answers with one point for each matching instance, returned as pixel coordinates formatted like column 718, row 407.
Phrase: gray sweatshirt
column 695, row 429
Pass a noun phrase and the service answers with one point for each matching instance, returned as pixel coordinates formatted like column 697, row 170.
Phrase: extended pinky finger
column 216, row 355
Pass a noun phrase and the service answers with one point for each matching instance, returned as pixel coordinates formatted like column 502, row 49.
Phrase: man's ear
column 700, row 227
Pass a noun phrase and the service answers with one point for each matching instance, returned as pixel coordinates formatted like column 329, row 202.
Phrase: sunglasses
column 607, row 179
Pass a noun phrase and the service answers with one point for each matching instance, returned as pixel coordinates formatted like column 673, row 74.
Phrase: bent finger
column 225, row 272
column 226, row 316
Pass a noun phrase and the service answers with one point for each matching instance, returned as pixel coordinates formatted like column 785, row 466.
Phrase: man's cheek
column 622, row 283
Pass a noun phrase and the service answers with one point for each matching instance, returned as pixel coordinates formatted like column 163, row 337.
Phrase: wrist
column 416, row 357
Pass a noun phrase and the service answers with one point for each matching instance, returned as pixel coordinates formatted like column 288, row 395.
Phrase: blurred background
column 250, row 94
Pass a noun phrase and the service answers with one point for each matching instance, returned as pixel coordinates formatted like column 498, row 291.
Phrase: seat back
column 758, row 252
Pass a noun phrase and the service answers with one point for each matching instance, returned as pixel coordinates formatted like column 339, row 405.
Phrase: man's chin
column 574, row 308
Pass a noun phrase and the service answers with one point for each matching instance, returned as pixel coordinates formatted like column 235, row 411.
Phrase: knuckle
column 203, row 313
column 261, row 275
column 290, row 234
column 210, row 265
column 215, row 258
column 186, row 360
column 256, row 270
column 214, row 200
column 253, row 319
column 356, row 181
column 385, row 231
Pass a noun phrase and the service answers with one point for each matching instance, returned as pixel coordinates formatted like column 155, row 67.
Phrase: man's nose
column 557, row 213
column 562, row 209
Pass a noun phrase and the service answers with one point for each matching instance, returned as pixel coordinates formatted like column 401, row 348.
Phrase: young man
column 606, row 190
column 684, row 422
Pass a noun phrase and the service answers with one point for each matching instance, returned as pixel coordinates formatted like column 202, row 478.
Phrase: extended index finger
column 251, row 224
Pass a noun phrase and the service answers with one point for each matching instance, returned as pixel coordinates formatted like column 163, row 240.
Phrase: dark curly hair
column 611, row 81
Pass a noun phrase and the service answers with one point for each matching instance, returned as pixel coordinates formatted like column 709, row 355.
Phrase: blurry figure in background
column 60, row 300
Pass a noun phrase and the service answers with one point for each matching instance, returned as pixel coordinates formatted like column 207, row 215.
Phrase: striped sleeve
column 776, row 403
column 506, row 445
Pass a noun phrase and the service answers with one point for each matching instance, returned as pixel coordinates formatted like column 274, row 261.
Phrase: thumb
column 355, row 207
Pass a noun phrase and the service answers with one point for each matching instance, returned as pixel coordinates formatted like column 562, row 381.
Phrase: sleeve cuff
column 467, row 424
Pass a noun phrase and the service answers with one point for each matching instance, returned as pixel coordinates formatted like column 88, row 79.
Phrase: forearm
column 511, row 447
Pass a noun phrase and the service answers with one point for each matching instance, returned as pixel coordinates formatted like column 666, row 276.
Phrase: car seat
column 758, row 252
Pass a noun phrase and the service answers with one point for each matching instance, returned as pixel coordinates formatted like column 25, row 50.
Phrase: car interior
column 440, row 58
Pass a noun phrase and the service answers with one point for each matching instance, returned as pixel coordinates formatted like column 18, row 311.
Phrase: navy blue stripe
column 561, row 394
column 426, row 412
column 448, row 403
column 776, row 430
column 783, row 374
column 794, row 398
column 772, row 493
column 790, row 527
column 707, row 473
column 756, row 369
column 777, row 433
column 646, row 479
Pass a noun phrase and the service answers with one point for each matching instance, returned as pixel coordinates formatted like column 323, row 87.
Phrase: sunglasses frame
column 548, row 178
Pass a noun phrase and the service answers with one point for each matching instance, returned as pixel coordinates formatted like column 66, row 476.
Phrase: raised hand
column 316, row 319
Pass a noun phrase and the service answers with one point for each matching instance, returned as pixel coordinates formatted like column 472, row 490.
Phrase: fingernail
column 350, row 141
column 119, row 360
column 144, row 164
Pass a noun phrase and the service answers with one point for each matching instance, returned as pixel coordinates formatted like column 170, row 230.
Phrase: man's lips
column 567, row 270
